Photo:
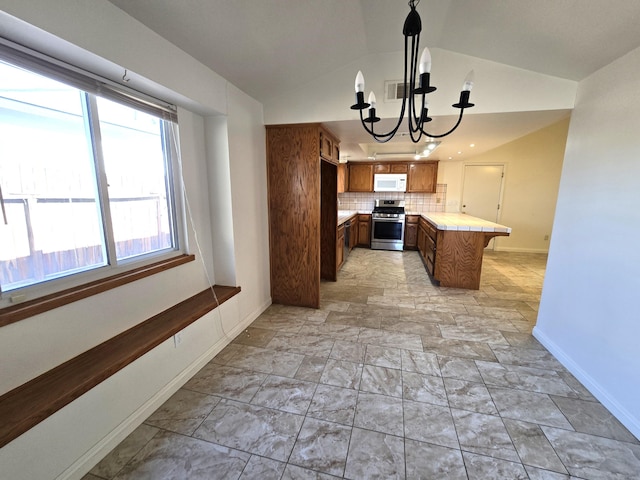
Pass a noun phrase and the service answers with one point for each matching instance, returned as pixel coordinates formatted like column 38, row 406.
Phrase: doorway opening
column 482, row 193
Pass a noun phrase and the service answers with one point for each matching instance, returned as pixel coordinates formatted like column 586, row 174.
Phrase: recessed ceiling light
column 459, row 153
column 472, row 145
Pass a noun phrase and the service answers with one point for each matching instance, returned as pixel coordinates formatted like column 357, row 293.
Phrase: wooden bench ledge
column 27, row 405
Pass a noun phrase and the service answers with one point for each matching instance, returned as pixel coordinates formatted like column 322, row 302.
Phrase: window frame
column 43, row 295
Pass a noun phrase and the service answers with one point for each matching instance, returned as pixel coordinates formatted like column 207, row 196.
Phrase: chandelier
column 416, row 122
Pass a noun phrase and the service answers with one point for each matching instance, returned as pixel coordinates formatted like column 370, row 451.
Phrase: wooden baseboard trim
column 27, row 405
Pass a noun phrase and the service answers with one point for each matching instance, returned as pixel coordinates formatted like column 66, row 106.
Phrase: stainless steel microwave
column 390, row 182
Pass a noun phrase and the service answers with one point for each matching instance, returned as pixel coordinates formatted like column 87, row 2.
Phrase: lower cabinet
column 411, row 232
column 353, row 234
column 340, row 247
column 364, row 230
column 427, row 241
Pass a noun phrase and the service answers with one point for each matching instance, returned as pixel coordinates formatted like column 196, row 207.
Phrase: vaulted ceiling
column 267, row 47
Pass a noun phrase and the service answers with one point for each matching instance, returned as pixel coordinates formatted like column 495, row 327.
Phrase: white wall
column 503, row 89
column 589, row 310
column 97, row 35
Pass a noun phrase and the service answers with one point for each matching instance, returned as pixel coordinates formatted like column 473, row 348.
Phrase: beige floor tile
column 392, row 376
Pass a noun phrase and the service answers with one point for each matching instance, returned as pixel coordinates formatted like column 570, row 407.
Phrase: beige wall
column 533, row 165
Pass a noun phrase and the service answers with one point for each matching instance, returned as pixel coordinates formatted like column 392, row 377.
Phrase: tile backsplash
column 414, row 202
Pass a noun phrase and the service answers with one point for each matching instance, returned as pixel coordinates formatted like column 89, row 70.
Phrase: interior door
column 481, row 190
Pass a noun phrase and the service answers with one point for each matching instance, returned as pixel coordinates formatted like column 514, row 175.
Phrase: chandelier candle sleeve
column 360, row 104
column 415, row 69
column 466, row 91
column 372, row 109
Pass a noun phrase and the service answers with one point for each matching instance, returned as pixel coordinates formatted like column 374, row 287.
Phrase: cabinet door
column 422, row 177
column 353, row 238
column 326, row 146
column 336, row 151
column 342, row 177
column 340, row 247
column 410, row 235
column 382, row 168
column 364, row 230
column 399, row 168
column 360, row 177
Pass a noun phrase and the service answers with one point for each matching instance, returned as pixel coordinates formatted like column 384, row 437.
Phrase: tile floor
column 392, row 377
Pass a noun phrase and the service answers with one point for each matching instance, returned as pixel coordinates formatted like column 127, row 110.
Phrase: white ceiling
column 266, row 47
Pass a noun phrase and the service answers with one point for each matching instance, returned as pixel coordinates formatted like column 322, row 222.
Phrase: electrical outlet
column 546, row 237
column 177, row 339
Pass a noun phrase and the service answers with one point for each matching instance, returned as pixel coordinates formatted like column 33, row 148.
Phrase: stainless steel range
column 387, row 225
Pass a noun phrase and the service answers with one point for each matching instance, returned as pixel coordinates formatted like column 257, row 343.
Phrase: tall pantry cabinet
column 302, row 172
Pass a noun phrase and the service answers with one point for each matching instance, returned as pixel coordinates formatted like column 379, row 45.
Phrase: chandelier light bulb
column 469, row 81
column 425, row 61
column 359, row 82
column 372, row 100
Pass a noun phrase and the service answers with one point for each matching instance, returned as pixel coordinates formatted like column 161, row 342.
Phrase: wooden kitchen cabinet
column 411, row 232
column 391, row 167
column 427, row 240
column 329, row 147
column 452, row 255
column 302, row 194
column 398, row 168
column 353, row 239
column 340, row 247
column 360, row 177
column 342, row 177
column 422, row 177
column 364, row 230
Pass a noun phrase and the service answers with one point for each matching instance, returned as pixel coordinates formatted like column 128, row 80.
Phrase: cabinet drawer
column 432, row 232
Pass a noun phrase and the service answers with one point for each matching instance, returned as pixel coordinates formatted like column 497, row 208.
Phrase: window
column 86, row 178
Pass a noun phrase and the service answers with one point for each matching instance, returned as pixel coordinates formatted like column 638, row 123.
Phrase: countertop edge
column 480, row 224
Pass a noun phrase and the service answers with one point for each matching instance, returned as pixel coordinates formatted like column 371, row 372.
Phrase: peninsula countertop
column 461, row 222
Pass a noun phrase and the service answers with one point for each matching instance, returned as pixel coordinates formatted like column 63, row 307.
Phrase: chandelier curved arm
column 446, row 133
column 380, row 137
column 385, row 137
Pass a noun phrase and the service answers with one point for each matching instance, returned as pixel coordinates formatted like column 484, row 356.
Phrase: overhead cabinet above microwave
column 390, row 182
column 419, row 176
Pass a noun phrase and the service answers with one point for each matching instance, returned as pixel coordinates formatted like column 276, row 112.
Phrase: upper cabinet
column 395, row 167
column 329, row 147
column 360, row 177
column 343, row 175
column 423, row 177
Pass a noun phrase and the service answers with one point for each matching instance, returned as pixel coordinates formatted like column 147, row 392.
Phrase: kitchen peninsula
column 451, row 246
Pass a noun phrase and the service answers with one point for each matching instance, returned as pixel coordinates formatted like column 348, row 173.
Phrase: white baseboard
column 622, row 414
column 522, row 250
column 96, row 453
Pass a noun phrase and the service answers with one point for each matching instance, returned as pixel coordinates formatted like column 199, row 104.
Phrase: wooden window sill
column 27, row 405
column 30, row 308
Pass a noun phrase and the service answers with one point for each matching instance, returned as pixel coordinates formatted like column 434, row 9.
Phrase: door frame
column 502, row 186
